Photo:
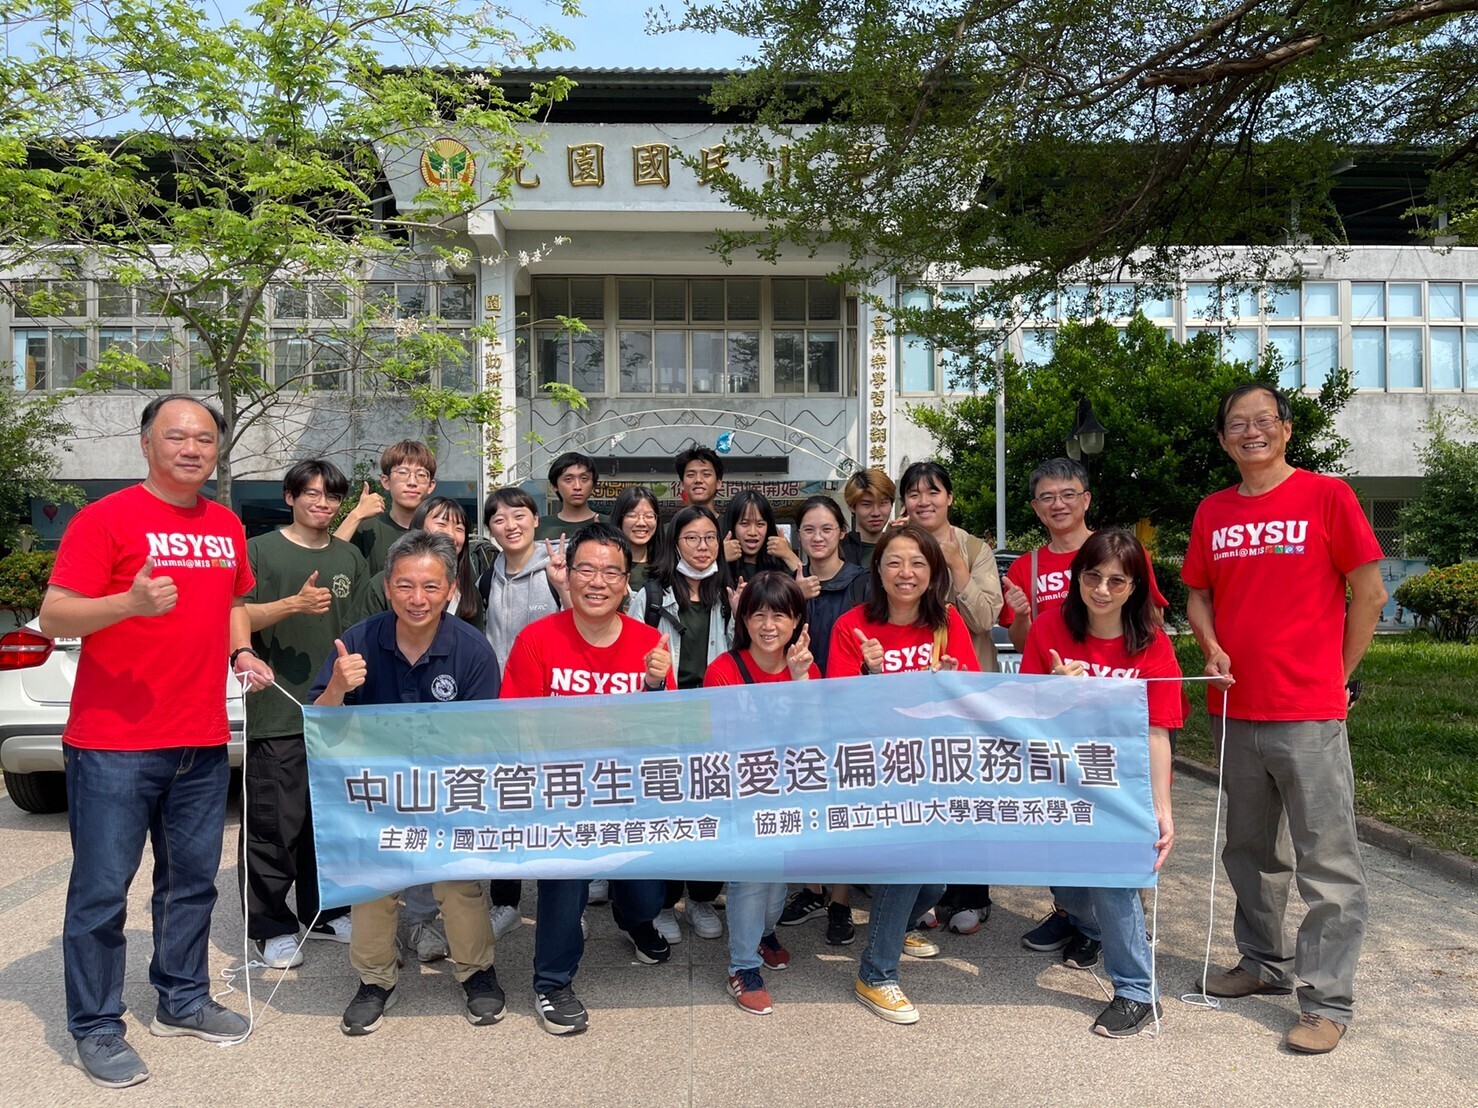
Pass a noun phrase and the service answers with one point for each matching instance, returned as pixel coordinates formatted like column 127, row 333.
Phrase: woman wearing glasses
column 638, row 515
column 907, row 625
column 689, row 599
column 1109, row 626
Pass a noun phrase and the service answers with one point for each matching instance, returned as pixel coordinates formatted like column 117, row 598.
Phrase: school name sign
column 970, row 778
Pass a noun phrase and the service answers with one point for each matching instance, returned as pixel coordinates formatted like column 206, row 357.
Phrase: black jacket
column 842, row 593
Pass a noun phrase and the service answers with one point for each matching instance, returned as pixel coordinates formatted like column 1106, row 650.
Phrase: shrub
column 1447, row 597
column 1172, row 588
column 23, row 578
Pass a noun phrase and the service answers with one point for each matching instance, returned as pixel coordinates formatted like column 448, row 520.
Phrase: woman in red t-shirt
column 1108, row 626
column 906, row 625
column 771, row 643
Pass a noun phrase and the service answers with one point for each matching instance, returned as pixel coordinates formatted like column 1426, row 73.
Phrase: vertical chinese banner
column 497, row 380
column 876, row 391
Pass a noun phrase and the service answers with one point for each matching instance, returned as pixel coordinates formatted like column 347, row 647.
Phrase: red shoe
column 747, row 988
column 775, row 955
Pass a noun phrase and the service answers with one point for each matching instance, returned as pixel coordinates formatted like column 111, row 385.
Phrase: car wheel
column 41, row 793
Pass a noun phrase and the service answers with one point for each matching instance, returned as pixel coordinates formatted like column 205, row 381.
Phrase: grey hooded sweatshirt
column 514, row 602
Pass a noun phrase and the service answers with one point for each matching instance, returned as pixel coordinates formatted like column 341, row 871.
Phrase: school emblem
column 446, row 163
column 341, row 585
column 444, row 687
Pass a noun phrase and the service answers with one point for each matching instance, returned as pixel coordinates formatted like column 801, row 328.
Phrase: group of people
column 404, row 603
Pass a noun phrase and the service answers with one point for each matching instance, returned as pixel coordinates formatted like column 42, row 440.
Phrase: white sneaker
column 336, row 930
column 666, row 925
column 703, row 920
column 429, row 941
column 504, row 918
column 282, row 952
column 600, row 891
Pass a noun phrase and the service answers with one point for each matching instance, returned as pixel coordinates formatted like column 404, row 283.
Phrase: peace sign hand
column 798, row 658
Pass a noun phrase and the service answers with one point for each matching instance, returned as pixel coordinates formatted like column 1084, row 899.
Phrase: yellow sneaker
column 888, row 1001
column 917, row 945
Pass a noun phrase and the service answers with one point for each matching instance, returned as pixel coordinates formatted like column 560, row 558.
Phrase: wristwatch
column 239, row 651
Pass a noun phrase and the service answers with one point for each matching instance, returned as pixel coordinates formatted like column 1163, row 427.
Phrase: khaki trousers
column 469, row 935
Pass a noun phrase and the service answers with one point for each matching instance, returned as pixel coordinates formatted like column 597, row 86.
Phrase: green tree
column 1441, row 524
column 1041, row 138
column 32, row 432
column 1156, row 397
column 207, row 164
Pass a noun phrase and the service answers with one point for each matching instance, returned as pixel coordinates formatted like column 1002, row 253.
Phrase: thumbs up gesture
column 370, row 503
column 732, row 550
column 311, row 599
column 810, row 586
column 659, row 663
column 872, row 651
column 150, row 595
column 349, row 670
column 1069, row 669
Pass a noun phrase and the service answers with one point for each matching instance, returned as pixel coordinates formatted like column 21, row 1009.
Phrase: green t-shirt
column 638, row 576
column 295, row 647
column 692, row 662
column 552, row 527
column 374, row 538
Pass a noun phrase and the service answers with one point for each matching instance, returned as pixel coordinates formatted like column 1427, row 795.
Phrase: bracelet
column 239, row 651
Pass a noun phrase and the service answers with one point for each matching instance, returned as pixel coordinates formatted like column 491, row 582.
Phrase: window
column 1404, row 357
column 308, row 361
column 1446, row 357
column 1385, row 521
column 1283, row 302
column 1321, row 355
column 1444, row 300
column 1367, row 300
column 1239, row 344
column 1404, row 300
column 1321, row 300
column 1288, row 342
column 1368, row 354
column 915, row 356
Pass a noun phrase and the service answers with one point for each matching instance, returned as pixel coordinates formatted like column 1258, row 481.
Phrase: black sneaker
column 802, row 906
column 561, row 1012
column 109, row 1061
column 651, row 947
column 1082, row 952
column 485, row 999
column 1124, row 1017
column 367, row 1010
column 839, row 929
column 1053, row 933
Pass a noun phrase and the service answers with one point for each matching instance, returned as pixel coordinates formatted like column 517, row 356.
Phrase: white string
column 248, row 963
column 1201, row 999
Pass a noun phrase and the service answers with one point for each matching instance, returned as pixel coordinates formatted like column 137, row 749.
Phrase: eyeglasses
column 699, row 540
column 1262, row 423
column 638, row 517
column 609, row 574
column 1116, row 583
column 1049, row 498
column 315, row 496
column 405, row 473
column 825, row 531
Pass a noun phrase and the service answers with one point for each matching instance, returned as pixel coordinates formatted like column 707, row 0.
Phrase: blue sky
column 612, row 35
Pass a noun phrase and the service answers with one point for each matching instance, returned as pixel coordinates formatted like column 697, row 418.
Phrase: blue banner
column 958, row 777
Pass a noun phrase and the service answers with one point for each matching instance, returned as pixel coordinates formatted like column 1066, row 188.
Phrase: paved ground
column 1001, row 1025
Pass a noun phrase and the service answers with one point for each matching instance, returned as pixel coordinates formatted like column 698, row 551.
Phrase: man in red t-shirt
column 152, row 580
column 588, row 649
column 1267, row 568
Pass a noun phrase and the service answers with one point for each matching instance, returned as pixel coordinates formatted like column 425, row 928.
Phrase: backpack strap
column 653, row 591
column 485, row 587
column 743, row 669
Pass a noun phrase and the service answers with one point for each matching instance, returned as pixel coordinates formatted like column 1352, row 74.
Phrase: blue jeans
column 558, row 942
column 753, row 909
column 176, row 797
column 1114, row 917
column 894, row 910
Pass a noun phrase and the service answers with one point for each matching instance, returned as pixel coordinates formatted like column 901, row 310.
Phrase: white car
column 36, row 676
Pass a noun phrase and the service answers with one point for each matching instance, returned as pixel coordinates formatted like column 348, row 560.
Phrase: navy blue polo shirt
column 459, row 665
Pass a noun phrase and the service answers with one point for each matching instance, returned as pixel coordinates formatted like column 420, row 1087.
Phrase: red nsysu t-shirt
column 153, row 682
column 1054, row 575
column 551, row 658
column 1109, row 658
column 905, row 649
column 1275, row 565
column 722, row 671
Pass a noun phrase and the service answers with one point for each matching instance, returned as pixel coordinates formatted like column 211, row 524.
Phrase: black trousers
column 957, row 897
column 275, row 848
column 697, row 890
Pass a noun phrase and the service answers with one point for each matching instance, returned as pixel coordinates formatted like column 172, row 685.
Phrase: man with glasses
column 308, row 585
column 590, row 648
column 1035, row 584
column 1268, row 566
column 408, row 474
column 415, row 653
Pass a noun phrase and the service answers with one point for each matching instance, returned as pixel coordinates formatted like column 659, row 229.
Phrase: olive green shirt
column 552, row 527
column 374, row 536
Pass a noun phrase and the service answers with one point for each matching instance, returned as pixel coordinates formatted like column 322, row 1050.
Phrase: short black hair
column 569, row 460
column 1285, row 409
column 1063, row 469
column 151, row 411
column 296, row 479
column 771, row 589
column 509, row 496
column 599, row 533
column 696, row 453
column 924, row 472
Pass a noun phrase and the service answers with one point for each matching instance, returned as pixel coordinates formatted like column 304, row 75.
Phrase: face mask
column 696, row 574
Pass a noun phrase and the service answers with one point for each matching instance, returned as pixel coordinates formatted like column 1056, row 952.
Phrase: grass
column 1413, row 735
